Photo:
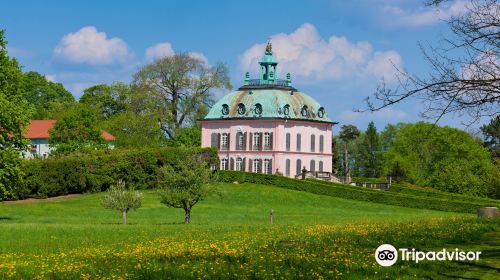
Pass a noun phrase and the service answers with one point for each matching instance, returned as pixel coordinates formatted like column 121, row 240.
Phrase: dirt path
column 35, row 200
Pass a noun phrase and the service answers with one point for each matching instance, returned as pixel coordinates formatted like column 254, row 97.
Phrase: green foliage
column 491, row 133
column 78, row 130
column 108, row 100
column 343, row 146
column 185, row 183
column 15, row 113
column 42, row 93
column 368, row 155
column 186, row 137
column 178, row 89
column 97, row 170
column 135, row 131
column 445, row 158
column 118, row 197
column 358, row 193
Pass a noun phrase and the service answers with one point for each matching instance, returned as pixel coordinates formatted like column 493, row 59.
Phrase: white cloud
column 305, row 54
column 87, row 45
column 50, row 78
column 394, row 15
column 386, row 114
column 199, row 56
column 158, row 51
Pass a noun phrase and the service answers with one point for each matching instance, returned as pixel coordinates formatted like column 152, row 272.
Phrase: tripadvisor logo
column 387, row 255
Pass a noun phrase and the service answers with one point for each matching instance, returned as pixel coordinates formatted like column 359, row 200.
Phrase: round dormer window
column 258, row 109
column 241, row 109
column 303, row 111
column 286, row 110
column 225, row 109
column 321, row 112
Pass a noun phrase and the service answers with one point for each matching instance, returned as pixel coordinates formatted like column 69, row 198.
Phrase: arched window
column 321, row 143
column 268, row 166
column 312, row 166
column 258, row 109
column 313, row 143
column 304, row 111
column 287, row 169
column 241, row 109
column 298, row 167
column 288, row 142
column 321, row 112
column 239, row 164
column 256, row 166
column 223, row 164
column 299, row 140
column 320, row 166
column 286, row 110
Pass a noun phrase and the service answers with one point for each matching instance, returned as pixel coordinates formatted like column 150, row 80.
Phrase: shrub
column 356, row 193
column 97, row 171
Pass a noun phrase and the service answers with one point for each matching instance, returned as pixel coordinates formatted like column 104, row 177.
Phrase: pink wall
column 278, row 154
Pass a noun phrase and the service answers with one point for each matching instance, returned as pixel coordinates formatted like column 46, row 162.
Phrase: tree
column 118, row 197
column 15, row 113
column 187, row 137
column 491, row 133
column 444, row 158
column 181, row 86
column 186, row 182
column 368, row 156
column 135, row 131
column 348, row 133
column 78, row 130
column 465, row 71
column 42, row 93
column 108, row 100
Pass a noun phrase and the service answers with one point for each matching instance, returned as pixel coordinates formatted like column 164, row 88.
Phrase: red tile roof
column 39, row 129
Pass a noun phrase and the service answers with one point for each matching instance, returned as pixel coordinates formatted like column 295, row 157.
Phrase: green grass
column 230, row 236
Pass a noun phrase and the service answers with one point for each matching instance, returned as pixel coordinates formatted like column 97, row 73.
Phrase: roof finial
column 269, row 47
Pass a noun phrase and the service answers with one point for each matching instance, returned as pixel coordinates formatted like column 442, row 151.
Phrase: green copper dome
column 268, row 104
column 268, row 98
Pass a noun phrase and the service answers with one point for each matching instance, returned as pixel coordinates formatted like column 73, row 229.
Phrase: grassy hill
column 230, row 236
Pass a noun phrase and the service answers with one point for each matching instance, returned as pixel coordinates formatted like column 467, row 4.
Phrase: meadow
column 313, row 236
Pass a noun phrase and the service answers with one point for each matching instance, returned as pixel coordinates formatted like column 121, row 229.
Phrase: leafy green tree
column 135, row 130
column 368, row 156
column 179, row 87
column 78, row 130
column 187, row 137
column 348, row 134
column 118, row 197
column 444, row 158
column 42, row 93
column 491, row 133
column 388, row 135
column 185, row 183
column 108, row 100
column 15, row 113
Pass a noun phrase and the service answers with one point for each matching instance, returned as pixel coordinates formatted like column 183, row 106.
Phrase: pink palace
column 268, row 126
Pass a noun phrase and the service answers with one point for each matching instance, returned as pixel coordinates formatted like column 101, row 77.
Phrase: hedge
column 354, row 193
column 94, row 172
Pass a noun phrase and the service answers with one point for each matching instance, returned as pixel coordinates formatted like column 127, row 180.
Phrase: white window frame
column 255, row 166
column 267, row 140
column 239, row 164
column 240, row 140
column 224, row 164
column 256, row 140
column 225, row 140
column 267, row 166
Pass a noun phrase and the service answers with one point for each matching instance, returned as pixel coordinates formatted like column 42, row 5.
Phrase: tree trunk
column 124, row 216
column 346, row 165
column 187, row 215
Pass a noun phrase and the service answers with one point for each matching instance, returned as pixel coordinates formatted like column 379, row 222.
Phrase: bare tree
column 465, row 68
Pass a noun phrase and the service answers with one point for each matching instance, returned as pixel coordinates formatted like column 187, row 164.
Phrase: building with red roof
column 38, row 133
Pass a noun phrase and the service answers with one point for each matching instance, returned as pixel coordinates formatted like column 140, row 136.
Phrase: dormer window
column 241, row 109
column 303, row 111
column 225, row 109
column 321, row 112
column 258, row 109
column 286, row 110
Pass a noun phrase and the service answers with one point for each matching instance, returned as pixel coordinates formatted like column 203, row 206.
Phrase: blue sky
column 336, row 51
